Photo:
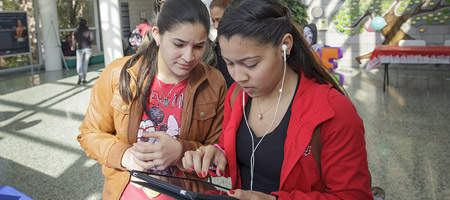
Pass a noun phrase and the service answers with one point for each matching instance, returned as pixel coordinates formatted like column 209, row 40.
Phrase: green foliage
column 298, row 11
column 14, row 61
column 11, row 6
column 69, row 13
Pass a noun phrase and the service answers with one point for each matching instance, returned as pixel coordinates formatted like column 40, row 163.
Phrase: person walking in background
column 83, row 38
column 66, row 46
column 289, row 131
column 216, row 9
column 146, row 110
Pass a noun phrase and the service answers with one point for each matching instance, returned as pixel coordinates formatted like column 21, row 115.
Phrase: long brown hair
column 173, row 13
column 267, row 21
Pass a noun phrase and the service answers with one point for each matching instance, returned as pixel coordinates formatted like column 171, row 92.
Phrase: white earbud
column 284, row 47
column 243, row 99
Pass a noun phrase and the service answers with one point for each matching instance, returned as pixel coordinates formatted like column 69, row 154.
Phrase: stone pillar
column 111, row 30
column 49, row 19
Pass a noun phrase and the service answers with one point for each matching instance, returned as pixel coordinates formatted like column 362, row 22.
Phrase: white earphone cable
column 252, row 157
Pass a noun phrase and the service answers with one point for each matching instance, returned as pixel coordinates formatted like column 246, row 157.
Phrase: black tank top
column 269, row 155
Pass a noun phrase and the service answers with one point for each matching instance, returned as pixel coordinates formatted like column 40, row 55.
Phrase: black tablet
column 181, row 188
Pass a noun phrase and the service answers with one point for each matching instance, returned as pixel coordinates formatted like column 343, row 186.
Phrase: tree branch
column 359, row 20
column 436, row 7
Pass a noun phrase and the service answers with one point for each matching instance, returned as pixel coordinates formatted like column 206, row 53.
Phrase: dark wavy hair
column 173, row 14
column 82, row 23
column 266, row 22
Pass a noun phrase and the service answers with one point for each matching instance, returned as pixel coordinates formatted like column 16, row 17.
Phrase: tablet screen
column 194, row 185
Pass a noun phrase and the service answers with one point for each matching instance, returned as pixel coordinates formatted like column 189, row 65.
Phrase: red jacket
column 344, row 170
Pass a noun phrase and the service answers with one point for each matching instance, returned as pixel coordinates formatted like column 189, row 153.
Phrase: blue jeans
column 83, row 56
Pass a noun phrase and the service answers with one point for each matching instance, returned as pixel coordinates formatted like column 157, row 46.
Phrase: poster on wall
column 14, row 33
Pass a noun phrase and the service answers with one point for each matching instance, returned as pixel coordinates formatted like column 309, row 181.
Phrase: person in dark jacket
column 216, row 9
column 83, row 44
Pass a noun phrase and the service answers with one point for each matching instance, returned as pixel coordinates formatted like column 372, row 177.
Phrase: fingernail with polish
column 190, row 170
column 204, row 174
column 220, row 172
column 199, row 175
column 231, row 192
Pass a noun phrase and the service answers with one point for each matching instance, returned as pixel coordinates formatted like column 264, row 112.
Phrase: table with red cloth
column 407, row 55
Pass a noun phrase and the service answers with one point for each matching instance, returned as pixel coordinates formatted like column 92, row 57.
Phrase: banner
column 14, row 33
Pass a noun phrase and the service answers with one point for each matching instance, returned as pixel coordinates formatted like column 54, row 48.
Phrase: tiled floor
column 407, row 133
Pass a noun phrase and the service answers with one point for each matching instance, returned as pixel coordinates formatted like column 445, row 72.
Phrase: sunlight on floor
column 89, row 163
column 37, row 156
column 95, row 196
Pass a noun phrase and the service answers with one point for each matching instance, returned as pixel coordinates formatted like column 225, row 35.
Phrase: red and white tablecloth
column 409, row 55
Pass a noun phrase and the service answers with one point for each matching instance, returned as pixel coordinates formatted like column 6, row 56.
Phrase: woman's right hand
column 200, row 160
column 128, row 161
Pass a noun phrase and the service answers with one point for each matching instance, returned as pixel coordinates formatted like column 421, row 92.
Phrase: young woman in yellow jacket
column 146, row 110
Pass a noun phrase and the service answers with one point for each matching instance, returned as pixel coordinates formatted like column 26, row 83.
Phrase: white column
column 38, row 32
column 49, row 19
column 97, row 26
column 111, row 30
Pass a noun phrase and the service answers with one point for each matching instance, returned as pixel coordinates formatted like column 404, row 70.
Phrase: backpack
column 135, row 37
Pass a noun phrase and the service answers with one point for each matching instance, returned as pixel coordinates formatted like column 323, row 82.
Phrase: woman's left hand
column 250, row 195
column 159, row 155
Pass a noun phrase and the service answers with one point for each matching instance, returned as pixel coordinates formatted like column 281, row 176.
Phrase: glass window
column 70, row 12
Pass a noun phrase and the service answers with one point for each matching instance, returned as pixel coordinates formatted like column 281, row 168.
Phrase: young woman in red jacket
column 289, row 131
